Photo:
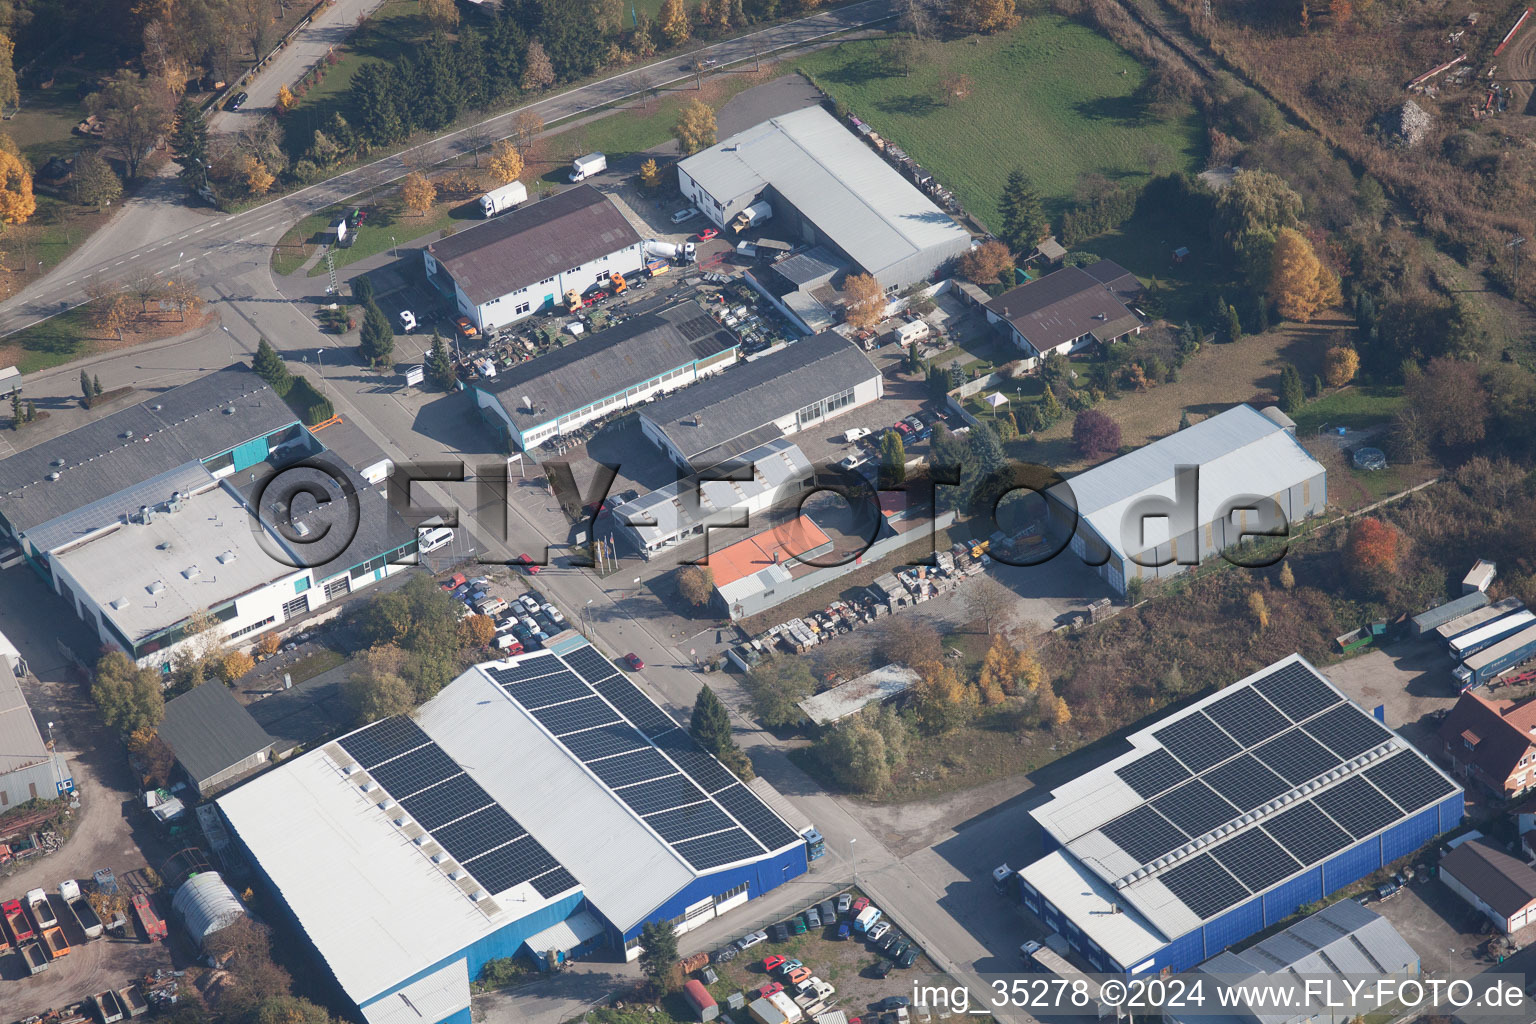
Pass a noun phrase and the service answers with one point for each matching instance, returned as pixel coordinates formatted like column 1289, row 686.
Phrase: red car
column 858, row 905
column 772, row 988
column 634, row 664
column 773, row 963
column 707, row 234
column 454, row 582
column 526, row 561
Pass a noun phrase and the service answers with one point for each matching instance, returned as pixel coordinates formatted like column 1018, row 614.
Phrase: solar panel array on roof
column 1152, row 774
column 1296, row 756
column 1195, row 807
column 1196, row 742
column 1408, row 781
column 1246, row 782
column 1145, row 834
column 1203, row 885
column 1247, row 717
column 1255, row 859
column 1346, row 732
column 1296, row 691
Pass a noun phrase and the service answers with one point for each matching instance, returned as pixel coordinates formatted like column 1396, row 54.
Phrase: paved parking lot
column 1412, row 679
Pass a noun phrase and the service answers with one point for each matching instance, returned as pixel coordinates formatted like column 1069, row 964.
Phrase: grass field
column 1354, row 408
column 1052, row 97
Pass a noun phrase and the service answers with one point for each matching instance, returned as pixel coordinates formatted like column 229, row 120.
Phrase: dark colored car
column 884, row 967
column 897, row 950
column 893, row 1003
column 813, row 918
column 780, row 933
column 238, row 101
column 828, row 911
column 908, row 958
column 844, row 929
column 797, row 925
column 888, row 942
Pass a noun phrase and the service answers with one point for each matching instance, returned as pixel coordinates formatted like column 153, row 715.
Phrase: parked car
column 773, row 963
column 490, row 606
column 528, row 603
column 687, row 213
column 707, row 234
column 828, row 911
column 844, row 902
column 751, row 939
column 528, row 564
column 813, row 918
column 877, row 931
column 467, row 327
column 453, row 582
column 884, row 967
column 770, row 989
column 908, row 958
column 859, row 904
column 856, row 434
column 888, row 943
column 844, row 929
column 553, row 612
column 239, row 101
column 633, row 662
column 852, row 462
column 780, row 932
column 509, row 644
column 896, row 951
column 914, row 424
column 796, row 976
column 893, row 1003
column 789, row 965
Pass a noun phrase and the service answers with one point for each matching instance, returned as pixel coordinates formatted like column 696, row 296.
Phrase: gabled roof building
column 1491, row 742
column 1492, row 881
column 1068, row 310
column 214, row 738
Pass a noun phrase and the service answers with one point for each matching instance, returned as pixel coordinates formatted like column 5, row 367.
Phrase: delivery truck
column 500, row 199
column 583, row 167
column 752, row 216
column 1487, row 665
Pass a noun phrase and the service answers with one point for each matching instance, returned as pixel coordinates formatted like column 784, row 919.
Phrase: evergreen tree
column 16, row 410
column 374, row 95
column 711, row 724
column 362, row 290
column 438, row 86
column 31, row 410
column 658, row 951
column 893, row 459
column 1050, row 408
column 439, row 366
column 376, row 341
column 1023, row 219
column 504, row 54
column 1316, row 386
column 1293, row 394
column 85, row 386
column 95, row 387
column 469, row 58
column 1184, row 420
column 189, row 143
column 571, row 37
column 269, row 366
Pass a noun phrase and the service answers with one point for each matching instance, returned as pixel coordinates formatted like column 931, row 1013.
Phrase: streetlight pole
column 53, row 757
column 231, row 337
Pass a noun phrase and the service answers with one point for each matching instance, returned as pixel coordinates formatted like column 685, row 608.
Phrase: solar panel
column 384, row 739
column 1307, row 833
column 1203, row 885
column 692, row 759
column 553, row 883
column 1247, row 716
column 635, row 706
column 1358, row 806
column 517, row 862
column 446, row 801
column 1297, row 691
column 531, row 668
column 1195, row 808
column 756, row 817
column 632, row 768
column 1144, row 834
column 1195, row 740
column 1246, row 782
column 689, row 822
column 603, row 741
column 1296, row 756
column 484, row 830
column 589, row 663
column 410, row 773
column 577, row 714
column 660, row 794
column 555, row 689
column 1409, row 781
column 1256, row 860
column 724, row 848
column 1348, row 731
column 1152, row 774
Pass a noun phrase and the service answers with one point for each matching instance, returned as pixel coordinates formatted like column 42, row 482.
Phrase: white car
column 852, row 462
column 878, row 930
column 553, row 612
column 434, row 539
column 748, row 941
column 685, row 214
column 857, row 433
column 407, row 320
column 527, row 601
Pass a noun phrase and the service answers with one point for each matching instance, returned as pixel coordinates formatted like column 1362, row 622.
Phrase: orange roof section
column 779, row 545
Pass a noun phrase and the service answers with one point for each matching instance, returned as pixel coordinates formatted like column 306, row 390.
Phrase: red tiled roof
column 1499, row 731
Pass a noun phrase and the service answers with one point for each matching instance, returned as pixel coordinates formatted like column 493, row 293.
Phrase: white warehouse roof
column 1241, row 454
column 837, row 182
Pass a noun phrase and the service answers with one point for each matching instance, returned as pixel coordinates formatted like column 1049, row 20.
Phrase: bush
column 319, row 412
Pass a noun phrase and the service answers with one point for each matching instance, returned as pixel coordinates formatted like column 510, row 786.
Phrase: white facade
column 528, row 299
column 1508, row 925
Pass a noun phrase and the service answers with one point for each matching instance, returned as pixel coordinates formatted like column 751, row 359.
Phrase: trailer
column 33, row 956
column 108, row 1008
column 16, row 920
column 1470, row 621
column 1485, row 636
column 55, row 942
column 42, row 910
column 1436, row 617
column 503, row 198
column 1487, row 665
column 84, row 914
column 134, row 1003
column 149, row 922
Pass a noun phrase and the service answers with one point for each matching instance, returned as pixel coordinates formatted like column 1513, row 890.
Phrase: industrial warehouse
column 824, row 186
column 1226, row 817
column 442, row 853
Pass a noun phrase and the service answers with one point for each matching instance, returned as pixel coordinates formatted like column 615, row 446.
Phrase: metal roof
column 437, row 996
column 21, row 744
column 205, row 902
column 1441, row 614
column 1071, row 302
column 1233, row 795
column 1504, row 883
column 727, row 408
column 195, row 421
column 1241, row 454
column 844, row 699
column 537, row 240
column 597, row 366
column 210, row 732
column 854, row 198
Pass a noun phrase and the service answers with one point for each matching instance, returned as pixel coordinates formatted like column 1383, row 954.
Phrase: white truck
column 504, row 198
column 753, row 215
column 583, row 167
column 681, row 251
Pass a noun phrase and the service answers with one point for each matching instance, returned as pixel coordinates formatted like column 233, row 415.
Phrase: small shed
column 1480, row 576
column 1051, row 251
column 214, row 738
column 207, row 905
column 844, row 699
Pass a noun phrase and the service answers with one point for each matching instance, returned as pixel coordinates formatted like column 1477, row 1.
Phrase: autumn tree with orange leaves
column 1371, row 552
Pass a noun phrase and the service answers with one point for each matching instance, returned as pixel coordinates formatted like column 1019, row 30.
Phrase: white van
column 434, row 539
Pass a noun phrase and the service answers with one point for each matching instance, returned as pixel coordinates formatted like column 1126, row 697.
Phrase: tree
column 258, row 180
column 695, row 127
column 1258, row 609
column 985, row 16
column 1095, row 435
column 189, row 143
column 1340, row 365
column 134, row 113
column 476, row 630
column 989, row 601
column 1371, row 551
column 1023, row 219
column 1292, row 393
column 526, row 128
column 418, row 193
column 439, row 365
column 1299, row 284
column 362, row 289
column 988, row 263
column 443, row 14
column 376, row 340
column 1057, row 713
column 285, row 100
column 10, row 92
column 863, row 300
column 129, row 697
column 95, row 183
column 650, row 173
column 116, row 314
column 269, row 644
column 269, row 366
column 538, row 71
column 1010, row 670
column 857, row 755
column 1450, row 400
column 777, row 687
column 674, row 22
column 711, row 723
column 1287, row 577
column 183, row 295
column 376, row 688
column 17, row 203
column 145, row 286
column 506, row 163
column 893, row 459
column 234, row 665
column 1049, row 406
column 944, row 702
column 658, row 953
column 85, row 388
column 158, row 759
column 375, row 96
column 696, row 584
column 1234, row 326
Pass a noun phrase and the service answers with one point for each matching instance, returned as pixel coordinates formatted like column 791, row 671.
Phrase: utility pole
column 1516, row 244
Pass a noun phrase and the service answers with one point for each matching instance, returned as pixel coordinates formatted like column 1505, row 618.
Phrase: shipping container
column 1488, row 634
column 698, row 997
column 1489, row 664
column 1478, row 617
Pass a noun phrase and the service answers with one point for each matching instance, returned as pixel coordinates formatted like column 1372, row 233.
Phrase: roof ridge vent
column 440, row 856
column 386, row 804
column 367, row 786
column 479, row 895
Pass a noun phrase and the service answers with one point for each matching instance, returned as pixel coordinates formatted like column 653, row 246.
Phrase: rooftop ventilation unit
column 439, row 856
column 54, row 475
column 57, row 463
column 457, row 874
column 401, row 822
column 422, row 840
column 386, row 804
column 119, row 604
column 191, row 571
column 226, row 557
column 348, row 769
column 367, row 786
column 229, row 410
column 479, row 895
column 156, row 587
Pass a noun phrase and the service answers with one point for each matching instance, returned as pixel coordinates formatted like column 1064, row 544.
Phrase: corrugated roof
column 1063, row 306
column 189, row 423
column 438, row 996
column 727, row 408
column 535, row 241
column 210, row 731
column 1241, row 454
column 854, row 198
column 21, row 744
column 844, row 699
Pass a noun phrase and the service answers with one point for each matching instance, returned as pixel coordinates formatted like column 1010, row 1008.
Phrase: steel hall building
column 438, row 852
column 1227, row 816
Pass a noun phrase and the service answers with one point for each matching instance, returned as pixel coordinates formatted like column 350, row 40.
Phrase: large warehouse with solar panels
column 542, row 805
column 1225, row 818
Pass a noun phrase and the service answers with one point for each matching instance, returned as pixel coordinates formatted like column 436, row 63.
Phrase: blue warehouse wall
column 1234, row 926
column 760, row 877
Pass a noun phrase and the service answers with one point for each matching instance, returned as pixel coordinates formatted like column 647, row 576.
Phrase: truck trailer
column 42, row 910
column 108, row 1006
column 16, row 920
column 1481, row 617
column 33, row 956
column 1487, row 665
column 504, row 198
column 583, row 167
column 149, row 922
column 752, row 216
column 1490, row 633
column 55, row 942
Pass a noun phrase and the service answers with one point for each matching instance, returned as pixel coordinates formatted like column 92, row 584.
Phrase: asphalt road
column 158, row 233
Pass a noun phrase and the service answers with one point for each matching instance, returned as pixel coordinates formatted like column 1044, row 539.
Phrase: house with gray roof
column 801, row 385
column 1068, row 310
column 214, row 738
column 525, row 260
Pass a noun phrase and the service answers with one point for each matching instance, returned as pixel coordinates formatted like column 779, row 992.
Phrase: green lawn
column 1052, row 97
column 52, row 342
column 1353, row 407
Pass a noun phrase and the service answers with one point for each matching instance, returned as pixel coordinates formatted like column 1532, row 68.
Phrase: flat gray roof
column 20, row 742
